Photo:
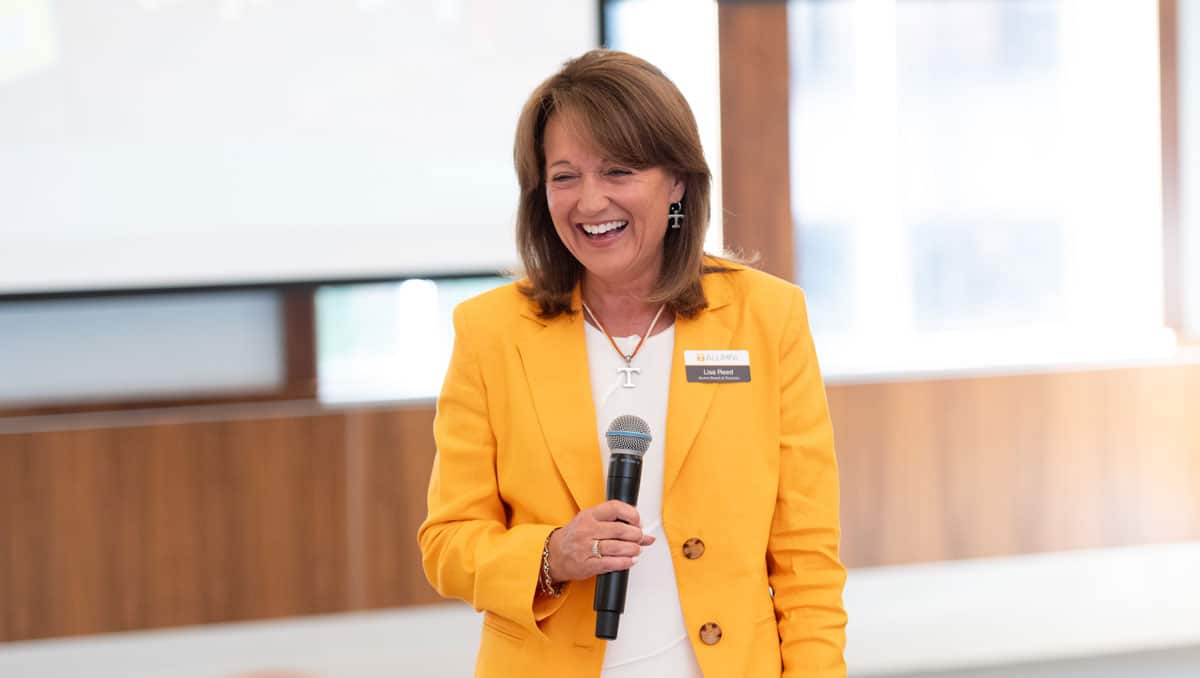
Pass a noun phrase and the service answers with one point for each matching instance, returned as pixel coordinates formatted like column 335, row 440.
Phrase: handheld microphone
column 628, row 439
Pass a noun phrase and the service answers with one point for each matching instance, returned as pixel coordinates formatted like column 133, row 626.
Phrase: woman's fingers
column 614, row 547
column 614, row 564
column 617, row 510
column 619, row 531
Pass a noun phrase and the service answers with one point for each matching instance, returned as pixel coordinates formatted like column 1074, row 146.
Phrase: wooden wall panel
column 164, row 523
column 756, row 167
column 143, row 527
column 1168, row 72
column 965, row 468
column 398, row 451
column 299, row 322
column 25, row 547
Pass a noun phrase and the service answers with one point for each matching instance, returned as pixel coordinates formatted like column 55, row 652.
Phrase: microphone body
column 624, row 482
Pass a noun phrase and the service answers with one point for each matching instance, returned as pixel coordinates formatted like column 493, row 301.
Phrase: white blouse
column 652, row 640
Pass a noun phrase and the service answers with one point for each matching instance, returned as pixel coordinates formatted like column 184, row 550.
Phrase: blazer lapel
column 555, row 360
column 688, row 403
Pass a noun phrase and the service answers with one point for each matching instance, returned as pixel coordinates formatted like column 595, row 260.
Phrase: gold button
column 710, row 633
column 693, row 548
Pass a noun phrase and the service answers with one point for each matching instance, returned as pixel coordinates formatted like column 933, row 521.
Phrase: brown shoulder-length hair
column 635, row 116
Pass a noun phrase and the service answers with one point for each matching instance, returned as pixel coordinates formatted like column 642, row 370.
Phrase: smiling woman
column 614, row 206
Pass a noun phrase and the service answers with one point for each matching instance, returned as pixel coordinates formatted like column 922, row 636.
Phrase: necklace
column 629, row 370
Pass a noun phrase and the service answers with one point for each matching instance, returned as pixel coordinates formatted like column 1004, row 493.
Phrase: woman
column 733, row 543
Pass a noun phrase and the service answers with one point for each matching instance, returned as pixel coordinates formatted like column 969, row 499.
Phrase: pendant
column 629, row 372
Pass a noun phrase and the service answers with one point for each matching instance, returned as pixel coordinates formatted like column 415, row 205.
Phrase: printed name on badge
column 717, row 366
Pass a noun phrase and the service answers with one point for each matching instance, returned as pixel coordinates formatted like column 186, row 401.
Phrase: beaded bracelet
column 546, row 585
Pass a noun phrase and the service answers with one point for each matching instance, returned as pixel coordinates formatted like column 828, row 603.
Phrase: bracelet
column 546, row 585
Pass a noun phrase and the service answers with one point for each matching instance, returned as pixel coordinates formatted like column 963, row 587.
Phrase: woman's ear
column 678, row 189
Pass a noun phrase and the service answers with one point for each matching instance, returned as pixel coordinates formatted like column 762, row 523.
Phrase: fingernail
column 634, row 559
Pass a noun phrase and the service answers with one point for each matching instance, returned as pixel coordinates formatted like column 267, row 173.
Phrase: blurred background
column 232, row 233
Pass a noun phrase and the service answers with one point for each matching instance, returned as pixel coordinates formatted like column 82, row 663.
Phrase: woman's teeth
column 601, row 229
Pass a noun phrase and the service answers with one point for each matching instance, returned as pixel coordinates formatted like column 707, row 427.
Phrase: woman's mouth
column 603, row 231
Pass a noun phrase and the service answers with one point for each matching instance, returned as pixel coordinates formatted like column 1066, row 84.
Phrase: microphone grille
column 629, row 434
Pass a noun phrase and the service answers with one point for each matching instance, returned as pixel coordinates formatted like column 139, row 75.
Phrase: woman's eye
column 619, row 172
column 559, row 178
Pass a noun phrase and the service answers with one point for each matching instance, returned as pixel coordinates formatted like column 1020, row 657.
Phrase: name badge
column 717, row 366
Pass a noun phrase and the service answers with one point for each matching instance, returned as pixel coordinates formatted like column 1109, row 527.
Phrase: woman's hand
column 571, row 556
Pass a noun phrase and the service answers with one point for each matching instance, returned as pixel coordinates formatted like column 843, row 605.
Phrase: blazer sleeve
column 468, row 549
column 802, row 553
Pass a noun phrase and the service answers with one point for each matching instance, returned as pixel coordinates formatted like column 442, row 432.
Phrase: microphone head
column 628, row 434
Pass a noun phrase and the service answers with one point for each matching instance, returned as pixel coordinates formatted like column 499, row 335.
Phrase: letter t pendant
column 629, row 372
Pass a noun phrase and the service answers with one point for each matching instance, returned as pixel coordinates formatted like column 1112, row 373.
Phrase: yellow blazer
column 749, row 470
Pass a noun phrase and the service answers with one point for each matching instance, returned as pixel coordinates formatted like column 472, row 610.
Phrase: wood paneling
column 398, row 450
column 755, row 165
column 967, row 468
column 1168, row 46
column 300, row 343
column 160, row 523
column 143, row 527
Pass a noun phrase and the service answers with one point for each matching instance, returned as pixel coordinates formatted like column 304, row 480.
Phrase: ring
column 596, row 548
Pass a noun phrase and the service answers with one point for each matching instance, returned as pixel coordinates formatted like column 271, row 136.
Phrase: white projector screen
column 179, row 143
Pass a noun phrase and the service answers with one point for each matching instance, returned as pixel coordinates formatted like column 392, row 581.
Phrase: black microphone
column 628, row 439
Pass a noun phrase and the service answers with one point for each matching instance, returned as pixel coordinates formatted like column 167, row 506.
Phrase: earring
column 675, row 214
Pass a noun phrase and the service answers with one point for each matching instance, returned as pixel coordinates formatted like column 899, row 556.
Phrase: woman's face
column 613, row 218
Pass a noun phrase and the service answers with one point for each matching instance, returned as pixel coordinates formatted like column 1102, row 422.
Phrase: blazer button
column 693, row 548
column 710, row 633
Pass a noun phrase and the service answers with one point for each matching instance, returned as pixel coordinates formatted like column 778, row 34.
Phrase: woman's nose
column 592, row 197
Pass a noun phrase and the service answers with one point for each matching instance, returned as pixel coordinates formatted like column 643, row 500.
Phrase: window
column 977, row 184
column 388, row 341
column 123, row 348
